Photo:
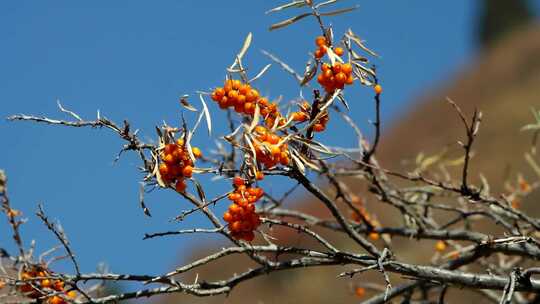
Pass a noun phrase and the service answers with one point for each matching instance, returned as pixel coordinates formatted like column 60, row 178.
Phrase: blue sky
column 132, row 60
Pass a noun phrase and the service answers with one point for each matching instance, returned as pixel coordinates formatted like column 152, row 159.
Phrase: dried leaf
column 359, row 42
column 184, row 103
column 296, row 4
column 207, row 115
column 339, row 11
column 141, row 200
column 200, row 191
column 289, row 21
column 311, row 71
column 259, row 75
column 325, row 3
column 283, row 65
column 243, row 50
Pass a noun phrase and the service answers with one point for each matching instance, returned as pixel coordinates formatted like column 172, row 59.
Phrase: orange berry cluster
column 322, row 45
column 362, row 212
column 305, row 113
column 176, row 164
column 267, row 150
column 335, row 76
column 236, row 94
column 241, row 216
column 243, row 98
column 35, row 287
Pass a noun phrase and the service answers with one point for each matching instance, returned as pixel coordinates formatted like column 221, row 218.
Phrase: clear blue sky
column 132, row 60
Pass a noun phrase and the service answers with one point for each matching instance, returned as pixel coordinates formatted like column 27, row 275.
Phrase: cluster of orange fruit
column 241, row 216
column 322, row 45
column 268, row 149
column 243, row 98
column 176, row 164
column 36, row 287
column 334, row 76
column 305, row 113
column 362, row 212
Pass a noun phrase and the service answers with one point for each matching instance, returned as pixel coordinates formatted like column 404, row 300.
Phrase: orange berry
column 219, row 92
column 224, row 102
column 238, row 181
column 55, row 300
column 299, row 116
column 340, row 77
column 58, row 285
column 233, row 95
column 339, row 51
column 260, row 129
column 276, row 151
column 227, row 87
column 227, row 217
column 273, row 139
column 359, row 292
column 72, row 294
column 240, row 100
column 239, row 108
column 169, row 158
column 374, row 236
column 318, row 54
column 252, row 95
column 263, row 102
column 180, row 186
column 321, row 79
column 515, row 203
column 378, row 89
column 350, row 80
column 249, row 108
column 318, row 127
column 244, row 89
column 169, row 148
column 236, row 84
column 336, row 68
column 320, row 41
column 196, row 152
column 328, row 74
column 45, row 283
column 187, row 171
column 440, row 246
column 346, row 68
column 236, row 226
column 325, row 67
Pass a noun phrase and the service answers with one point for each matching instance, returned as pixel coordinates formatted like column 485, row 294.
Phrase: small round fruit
column 378, row 89
column 320, row 41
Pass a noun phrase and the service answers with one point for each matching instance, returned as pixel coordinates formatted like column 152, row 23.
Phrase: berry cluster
column 241, row 216
column 363, row 213
column 238, row 95
column 36, row 287
column 322, row 45
column 268, row 150
column 335, row 76
column 176, row 164
column 305, row 114
column 243, row 98
column 332, row 76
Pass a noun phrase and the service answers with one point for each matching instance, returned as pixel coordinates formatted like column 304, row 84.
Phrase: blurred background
column 133, row 59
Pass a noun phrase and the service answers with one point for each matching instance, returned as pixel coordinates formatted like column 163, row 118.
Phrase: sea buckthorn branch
column 471, row 131
column 265, row 141
column 11, row 215
column 61, row 236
